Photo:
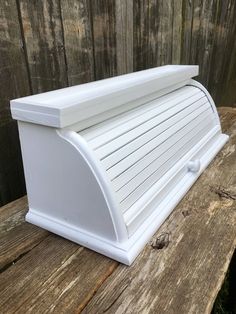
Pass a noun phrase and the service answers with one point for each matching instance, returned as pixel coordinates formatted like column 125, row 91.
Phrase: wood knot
column 161, row 242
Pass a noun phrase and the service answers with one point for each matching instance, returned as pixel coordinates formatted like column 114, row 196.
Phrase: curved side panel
column 200, row 86
column 101, row 176
column 61, row 186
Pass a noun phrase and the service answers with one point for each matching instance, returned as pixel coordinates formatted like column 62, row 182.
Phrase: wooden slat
column 101, row 133
column 164, row 161
column 227, row 79
column 124, row 36
column 186, row 276
column 166, row 30
column 224, row 24
column 179, row 127
column 56, row 276
column 197, row 20
column 128, row 142
column 142, row 51
column 13, row 70
column 104, row 36
column 76, row 19
column 13, row 83
column 187, row 12
column 43, row 36
column 176, row 32
column 153, row 22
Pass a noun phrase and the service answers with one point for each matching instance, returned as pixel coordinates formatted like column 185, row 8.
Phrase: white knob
column 194, row 165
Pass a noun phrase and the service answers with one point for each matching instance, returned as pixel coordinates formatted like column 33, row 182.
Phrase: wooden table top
column 41, row 272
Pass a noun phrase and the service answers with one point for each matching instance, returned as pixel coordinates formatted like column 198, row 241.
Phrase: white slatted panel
column 137, row 148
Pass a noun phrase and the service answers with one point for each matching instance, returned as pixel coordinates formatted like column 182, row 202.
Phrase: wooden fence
column 45, row 45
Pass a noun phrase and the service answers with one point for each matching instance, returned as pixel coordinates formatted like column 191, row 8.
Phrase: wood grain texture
column 13, row 83
column 12, row 182
column 176, row 31
column 12, row 215
column 166, row 30
column 18, row 241
column 124, row 36
column 227, row 78
column 16, row 236
column 187, row 14
column 76, row 19
column 57, row 276
column 154, row 37
column 104, row 37
column 43, row 35
column 225, row 16
column 13, row 70
column 186, row 276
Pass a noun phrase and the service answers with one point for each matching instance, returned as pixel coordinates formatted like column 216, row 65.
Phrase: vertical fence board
column 187, row 14
column 76, row 21
column 195, row 29
column 45, row 45
column 13, row 83
column 176, row 31
column 166, row 21
column 228, row 57
column 124, row 36
column 205, row 41
column 104, row 35
column 228, row 94
column 225, row 21
column 142, row 52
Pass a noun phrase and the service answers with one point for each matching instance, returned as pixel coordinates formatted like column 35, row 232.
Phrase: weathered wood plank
column 13, row 83
column 225, row 17
column 78, row 38
column 153, row 33
column 13, row 70
column 12, row 215
column 104, row 37
column 56, row 276
column 228, row 75
column 176, row 32
column 18, row 241
column 43, row 36
column 166, row 29
column 186, row 276
column 142, row 51
column 124, row 36
column 206, row 40
column 16, row 236
column 197, row 7
column 12, row 182
column 187, row 13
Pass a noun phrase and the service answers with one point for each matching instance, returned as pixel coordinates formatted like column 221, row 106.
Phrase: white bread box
column 106, row 162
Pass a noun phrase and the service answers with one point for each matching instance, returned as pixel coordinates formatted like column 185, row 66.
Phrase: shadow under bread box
column 106, row 162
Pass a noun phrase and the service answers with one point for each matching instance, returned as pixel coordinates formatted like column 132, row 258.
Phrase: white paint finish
column 55, row 166
column 144, row 139
column 71, row 105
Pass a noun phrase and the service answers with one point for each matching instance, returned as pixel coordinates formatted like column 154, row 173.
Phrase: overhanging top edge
column 73, row 100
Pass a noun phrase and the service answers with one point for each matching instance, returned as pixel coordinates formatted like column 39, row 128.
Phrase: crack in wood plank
column 223, row 193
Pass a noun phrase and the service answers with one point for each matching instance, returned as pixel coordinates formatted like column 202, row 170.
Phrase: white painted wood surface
column 106, row 162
